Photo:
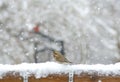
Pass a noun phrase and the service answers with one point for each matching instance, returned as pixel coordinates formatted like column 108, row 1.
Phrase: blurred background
column 85, row 31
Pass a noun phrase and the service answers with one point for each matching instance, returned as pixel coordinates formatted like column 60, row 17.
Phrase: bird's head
column 55, row 53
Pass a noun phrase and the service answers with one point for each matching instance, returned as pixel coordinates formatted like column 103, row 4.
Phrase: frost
column 99, row 81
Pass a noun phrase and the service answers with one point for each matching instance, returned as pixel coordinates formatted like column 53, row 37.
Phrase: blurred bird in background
column 37, row 28
column 59, row 57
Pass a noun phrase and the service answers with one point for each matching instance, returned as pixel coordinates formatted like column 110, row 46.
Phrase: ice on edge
column 44, row 69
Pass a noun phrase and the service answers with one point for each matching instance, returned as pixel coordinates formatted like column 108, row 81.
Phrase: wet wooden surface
column 64, row 78
column 11, row 77
column 15, row 77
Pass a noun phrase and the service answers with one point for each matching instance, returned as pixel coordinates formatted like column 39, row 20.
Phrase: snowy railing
column 54, row 72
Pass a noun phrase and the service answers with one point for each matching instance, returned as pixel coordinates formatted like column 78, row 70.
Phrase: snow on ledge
column 44, row 69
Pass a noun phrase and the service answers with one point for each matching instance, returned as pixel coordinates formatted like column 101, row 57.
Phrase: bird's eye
column 55, row 52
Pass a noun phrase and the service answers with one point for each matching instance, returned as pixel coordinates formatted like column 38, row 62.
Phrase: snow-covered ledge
column 44, row 69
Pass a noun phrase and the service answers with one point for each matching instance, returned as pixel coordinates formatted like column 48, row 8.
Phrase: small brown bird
column 59, row 57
